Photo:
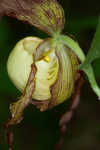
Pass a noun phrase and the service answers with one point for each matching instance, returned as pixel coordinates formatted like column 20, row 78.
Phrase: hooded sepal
column 46, row 15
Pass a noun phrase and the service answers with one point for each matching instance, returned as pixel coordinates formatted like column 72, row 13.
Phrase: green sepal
column 47, row 15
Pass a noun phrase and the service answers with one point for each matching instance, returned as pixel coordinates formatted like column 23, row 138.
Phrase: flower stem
column 74, row 46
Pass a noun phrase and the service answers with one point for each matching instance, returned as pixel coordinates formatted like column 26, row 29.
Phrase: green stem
column 89, row 71
column 74, row 46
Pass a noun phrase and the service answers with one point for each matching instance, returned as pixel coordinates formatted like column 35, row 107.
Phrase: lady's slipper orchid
column 54, row 63
column 45, row 70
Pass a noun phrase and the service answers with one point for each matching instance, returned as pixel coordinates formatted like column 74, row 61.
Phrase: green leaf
column 94, row 51
column 93, row 54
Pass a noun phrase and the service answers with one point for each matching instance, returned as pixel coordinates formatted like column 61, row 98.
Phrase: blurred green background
column 40, row 131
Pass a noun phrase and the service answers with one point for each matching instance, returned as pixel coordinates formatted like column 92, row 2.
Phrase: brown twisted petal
column 46, row 15
column 64, row 85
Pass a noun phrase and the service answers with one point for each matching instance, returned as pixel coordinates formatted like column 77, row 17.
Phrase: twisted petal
column 64, row 86
column 46, row 15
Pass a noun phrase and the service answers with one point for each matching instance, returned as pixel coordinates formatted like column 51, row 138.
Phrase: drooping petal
column 18, row 107
column 64, row 85
column 47, row 15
